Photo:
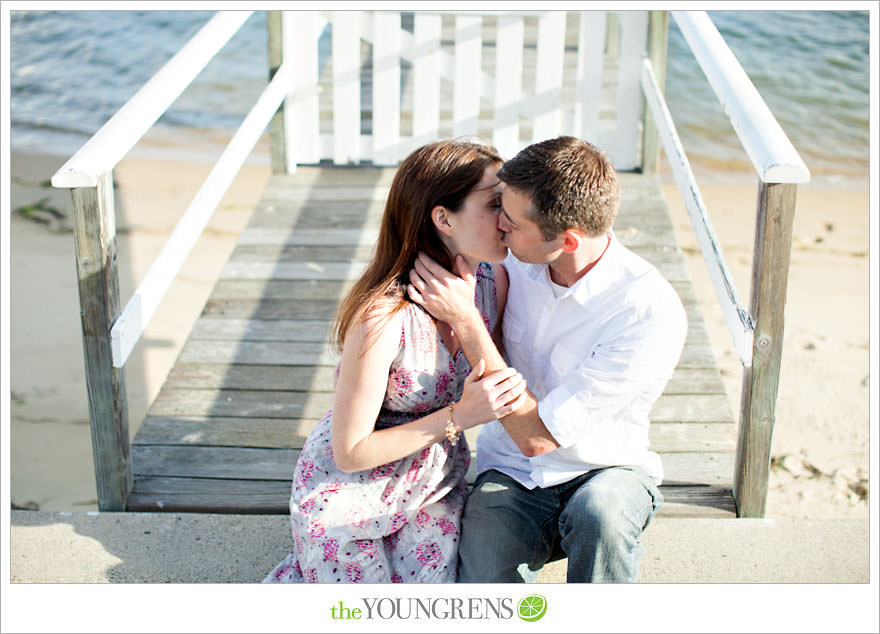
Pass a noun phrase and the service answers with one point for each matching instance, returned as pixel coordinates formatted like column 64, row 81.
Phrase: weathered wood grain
column 220, row 431
column 704, row 468
column 772, row 254
column 692, row 437
column 187, row 401
column 206, row 495
column 268, row 290
column 317, row 378
column 698, row 501
column 237, row 463
column 256, row 373
column 251, row 377
column 698, row 408
column 211, row 495
column 94, row 233
column 254, row 463
column 300, row 253
column 262, row 352
column 318, row 309
column 215, row 329
column 173, row 401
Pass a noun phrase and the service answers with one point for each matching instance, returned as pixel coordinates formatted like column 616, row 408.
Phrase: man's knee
column 610, row 503
column 489, row 510
column 498, row 532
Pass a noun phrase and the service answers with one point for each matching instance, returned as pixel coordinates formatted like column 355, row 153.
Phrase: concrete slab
column 96, row 547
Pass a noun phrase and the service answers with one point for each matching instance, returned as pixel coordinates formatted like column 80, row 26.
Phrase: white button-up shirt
column 596, row 358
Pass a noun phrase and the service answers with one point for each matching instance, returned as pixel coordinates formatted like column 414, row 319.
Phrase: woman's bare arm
column 370, row 348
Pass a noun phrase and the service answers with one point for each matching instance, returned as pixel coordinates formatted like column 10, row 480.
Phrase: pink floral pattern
column 398, row 522
column 423, row 518
column 304, row 471
column 447, row 527
column 331, row 547
column 402, row 382
column 429, row 553
column 354, row 572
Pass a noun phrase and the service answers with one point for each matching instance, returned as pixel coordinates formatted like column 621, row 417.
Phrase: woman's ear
column 440, row 215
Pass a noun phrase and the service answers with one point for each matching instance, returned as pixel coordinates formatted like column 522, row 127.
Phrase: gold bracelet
column 451, row 431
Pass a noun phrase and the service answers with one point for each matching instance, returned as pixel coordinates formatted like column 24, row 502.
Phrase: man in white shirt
column 597, row 332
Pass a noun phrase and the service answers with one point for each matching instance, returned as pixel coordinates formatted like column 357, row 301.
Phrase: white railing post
column 468, row 55
column 633, row 40
column 301, row 31
column 658, row 35
column 94, row 236
column 346, row 45
column 386, row 88
column 508, row 84
column 426, row 56
column 549, row 63
column 280, row 151
column 591, row 47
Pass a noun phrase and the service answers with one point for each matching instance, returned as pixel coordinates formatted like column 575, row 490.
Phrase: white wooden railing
column 454, row 91
column 757, row 333
column 315, row 115
column 108, row 335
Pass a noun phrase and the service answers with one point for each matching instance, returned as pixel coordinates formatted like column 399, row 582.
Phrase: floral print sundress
column 399, row 522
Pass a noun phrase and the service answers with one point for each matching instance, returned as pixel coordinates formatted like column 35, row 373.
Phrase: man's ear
column 571, row 240
column 440, row 216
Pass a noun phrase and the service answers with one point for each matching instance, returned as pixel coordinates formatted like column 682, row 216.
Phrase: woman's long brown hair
column 441, row 173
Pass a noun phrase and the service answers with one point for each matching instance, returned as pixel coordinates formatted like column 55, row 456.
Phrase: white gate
column 371, row 86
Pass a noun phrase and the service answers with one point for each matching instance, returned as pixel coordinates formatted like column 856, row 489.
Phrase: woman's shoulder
column 381, row 322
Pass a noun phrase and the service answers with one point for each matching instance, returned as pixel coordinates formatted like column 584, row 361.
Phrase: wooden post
column 770, row 264
column 95, row 242
column 277, row 136
column 658, row 29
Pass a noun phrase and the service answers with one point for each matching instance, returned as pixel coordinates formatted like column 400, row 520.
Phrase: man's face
column 520, row 233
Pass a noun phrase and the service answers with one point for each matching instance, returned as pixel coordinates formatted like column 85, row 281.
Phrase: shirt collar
column 599, row 278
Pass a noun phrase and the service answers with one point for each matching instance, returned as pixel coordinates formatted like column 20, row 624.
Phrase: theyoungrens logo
column 530, row 608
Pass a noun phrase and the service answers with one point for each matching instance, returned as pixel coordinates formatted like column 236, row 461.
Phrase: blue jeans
column 509, row 532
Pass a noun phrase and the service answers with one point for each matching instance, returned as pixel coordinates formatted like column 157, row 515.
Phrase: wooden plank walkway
column 255, row 375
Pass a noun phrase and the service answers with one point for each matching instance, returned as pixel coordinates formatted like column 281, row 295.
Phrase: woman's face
column 475, row 232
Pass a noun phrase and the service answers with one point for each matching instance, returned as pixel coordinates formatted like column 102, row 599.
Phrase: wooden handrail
column 739, row 321
column 129, row 327
column 103, row 151
column 769, row 149
column 89, row 176
column 757, row 333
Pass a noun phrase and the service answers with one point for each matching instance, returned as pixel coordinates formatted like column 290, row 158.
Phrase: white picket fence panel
column 511, row 78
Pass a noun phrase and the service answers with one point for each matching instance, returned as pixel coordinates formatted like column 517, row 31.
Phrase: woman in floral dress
column 379, row 486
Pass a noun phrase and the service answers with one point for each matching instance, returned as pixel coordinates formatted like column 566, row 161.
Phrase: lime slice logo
column 532, row 608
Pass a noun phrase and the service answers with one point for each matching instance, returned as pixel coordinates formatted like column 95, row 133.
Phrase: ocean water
column 70, row 71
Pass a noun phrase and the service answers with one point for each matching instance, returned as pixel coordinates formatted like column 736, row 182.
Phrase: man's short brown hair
column 571, row 183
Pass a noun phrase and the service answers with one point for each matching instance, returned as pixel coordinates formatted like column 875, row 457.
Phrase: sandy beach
column 820, row 445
